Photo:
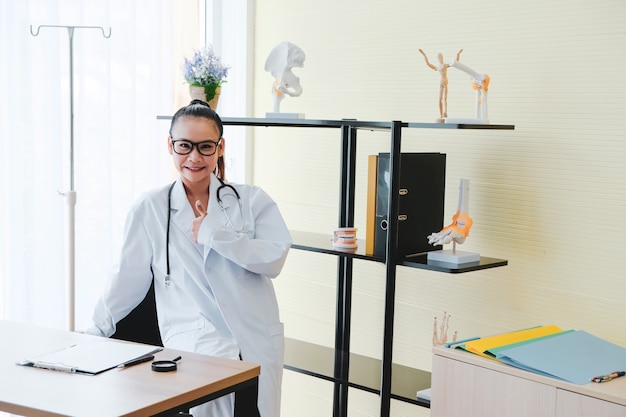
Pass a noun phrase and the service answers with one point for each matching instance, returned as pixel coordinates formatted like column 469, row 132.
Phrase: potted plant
column 205, row 73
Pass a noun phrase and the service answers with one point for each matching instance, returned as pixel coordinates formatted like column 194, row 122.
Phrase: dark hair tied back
column 197, row 101
column 198, row 108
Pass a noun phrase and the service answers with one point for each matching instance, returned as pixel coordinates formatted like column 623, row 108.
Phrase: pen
column 136, row 361
column 608, row 377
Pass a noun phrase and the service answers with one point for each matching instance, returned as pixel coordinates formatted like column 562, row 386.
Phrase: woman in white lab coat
column 212, row 250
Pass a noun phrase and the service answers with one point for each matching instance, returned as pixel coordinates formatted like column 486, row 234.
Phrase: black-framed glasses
column 185, row 147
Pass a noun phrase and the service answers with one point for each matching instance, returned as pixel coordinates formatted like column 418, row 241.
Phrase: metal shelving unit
column 320, row 243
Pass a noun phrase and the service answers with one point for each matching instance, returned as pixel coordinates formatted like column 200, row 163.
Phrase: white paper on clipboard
column 91, row 357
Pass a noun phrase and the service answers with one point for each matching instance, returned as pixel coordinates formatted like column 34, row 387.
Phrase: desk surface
column 132, row 391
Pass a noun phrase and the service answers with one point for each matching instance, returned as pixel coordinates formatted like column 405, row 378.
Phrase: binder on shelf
column 421, row 201
column 370, row 216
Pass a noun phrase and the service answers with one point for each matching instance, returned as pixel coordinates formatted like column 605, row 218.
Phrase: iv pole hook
column 106, row 35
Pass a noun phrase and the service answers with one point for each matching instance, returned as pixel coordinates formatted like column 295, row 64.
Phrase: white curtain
column 121, row 84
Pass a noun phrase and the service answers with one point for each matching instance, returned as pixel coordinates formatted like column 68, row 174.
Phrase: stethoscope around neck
column 222, row 186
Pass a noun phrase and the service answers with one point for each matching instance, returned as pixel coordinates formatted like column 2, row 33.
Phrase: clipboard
column 90, row 358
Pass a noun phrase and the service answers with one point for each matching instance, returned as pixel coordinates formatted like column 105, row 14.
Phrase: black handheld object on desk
column 136, row 361
column 165, row 366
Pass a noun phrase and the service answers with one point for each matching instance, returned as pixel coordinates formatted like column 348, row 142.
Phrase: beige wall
column 548, row 196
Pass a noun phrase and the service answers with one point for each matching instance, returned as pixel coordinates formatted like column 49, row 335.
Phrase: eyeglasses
column 185, row 147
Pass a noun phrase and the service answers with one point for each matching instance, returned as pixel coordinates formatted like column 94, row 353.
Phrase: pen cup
column 345, row 237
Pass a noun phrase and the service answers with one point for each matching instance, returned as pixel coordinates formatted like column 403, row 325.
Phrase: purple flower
column 205, row 68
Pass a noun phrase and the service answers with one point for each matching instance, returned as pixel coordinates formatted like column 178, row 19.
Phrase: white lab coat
column 220, row 299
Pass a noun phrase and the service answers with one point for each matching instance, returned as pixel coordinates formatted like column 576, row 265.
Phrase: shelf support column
column 392, row 261
column 344, row 274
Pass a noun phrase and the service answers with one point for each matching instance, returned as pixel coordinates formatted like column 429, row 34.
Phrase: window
column 121, row 83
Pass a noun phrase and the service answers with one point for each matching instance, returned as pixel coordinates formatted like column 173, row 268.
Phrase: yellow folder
column 480, row 346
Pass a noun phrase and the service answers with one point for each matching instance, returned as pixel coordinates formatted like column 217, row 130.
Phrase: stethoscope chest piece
column 165, row 366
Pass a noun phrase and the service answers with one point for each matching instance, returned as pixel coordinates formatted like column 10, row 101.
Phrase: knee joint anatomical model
column 480, row 84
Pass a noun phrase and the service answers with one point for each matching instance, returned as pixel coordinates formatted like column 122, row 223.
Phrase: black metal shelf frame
column 311, row 242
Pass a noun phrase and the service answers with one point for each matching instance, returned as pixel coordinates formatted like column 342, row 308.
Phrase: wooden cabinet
column 572, row 404
column 467, row 385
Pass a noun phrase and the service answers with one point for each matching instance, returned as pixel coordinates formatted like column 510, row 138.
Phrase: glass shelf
column 317, row 361
column 358, row 124
column 316, row 242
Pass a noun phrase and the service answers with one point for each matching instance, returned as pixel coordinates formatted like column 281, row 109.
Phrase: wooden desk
column 467, row 385
column 132, row 391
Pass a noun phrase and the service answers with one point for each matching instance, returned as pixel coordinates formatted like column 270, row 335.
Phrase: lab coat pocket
column 277, row 335
column 183, row 336
column 276, row 329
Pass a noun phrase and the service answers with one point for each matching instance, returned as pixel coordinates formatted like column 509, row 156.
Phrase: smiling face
column 195, row 169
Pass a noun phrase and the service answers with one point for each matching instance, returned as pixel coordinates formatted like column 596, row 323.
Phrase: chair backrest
column 141, row 324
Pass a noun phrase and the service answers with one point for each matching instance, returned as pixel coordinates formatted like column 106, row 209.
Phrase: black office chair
column 141, row 325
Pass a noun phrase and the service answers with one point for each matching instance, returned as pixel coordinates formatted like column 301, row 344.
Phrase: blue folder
column 574, row 357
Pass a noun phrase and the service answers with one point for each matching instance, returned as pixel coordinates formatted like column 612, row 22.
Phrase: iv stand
column 70, row 196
